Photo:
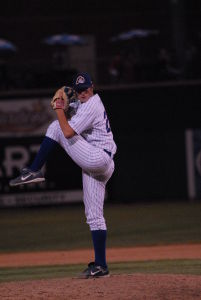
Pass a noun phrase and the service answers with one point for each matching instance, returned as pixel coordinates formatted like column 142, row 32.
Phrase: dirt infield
column 189, row 251
column 117, row 287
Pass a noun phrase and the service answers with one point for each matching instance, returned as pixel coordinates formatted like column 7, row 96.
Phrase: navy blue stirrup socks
column 46, row 147
column 99, row 242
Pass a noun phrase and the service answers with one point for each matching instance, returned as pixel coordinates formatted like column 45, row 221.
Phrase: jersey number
column 108, row 129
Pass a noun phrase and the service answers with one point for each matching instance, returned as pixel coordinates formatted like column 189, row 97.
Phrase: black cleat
column 27, row 176
column 94, row 271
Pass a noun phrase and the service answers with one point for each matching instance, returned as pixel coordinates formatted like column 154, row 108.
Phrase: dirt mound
column 116, row 287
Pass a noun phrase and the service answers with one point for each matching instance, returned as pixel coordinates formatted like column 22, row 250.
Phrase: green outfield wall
column 149, row 123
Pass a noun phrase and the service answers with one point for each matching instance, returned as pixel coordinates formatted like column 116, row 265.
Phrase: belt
column 108, row 152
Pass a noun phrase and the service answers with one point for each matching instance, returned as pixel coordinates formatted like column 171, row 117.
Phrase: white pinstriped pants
column 97, row 168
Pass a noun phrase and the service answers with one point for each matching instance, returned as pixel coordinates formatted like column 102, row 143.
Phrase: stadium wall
column 149, row 124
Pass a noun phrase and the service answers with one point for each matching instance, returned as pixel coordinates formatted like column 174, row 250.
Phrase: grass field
column 191, row 267
column 65, row 228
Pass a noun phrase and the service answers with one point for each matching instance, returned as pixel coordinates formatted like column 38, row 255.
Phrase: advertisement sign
column 23, row 124
column 27, row 117
column 193, row 162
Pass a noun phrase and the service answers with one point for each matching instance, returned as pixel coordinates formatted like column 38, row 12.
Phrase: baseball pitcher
column 83, row 130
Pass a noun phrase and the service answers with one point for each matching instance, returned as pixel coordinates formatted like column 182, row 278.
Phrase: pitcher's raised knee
column 54, row 130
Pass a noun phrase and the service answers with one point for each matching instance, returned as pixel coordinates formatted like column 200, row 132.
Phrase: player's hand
column 62, row 98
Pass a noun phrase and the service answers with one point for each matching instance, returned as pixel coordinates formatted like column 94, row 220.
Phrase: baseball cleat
column 94, row 271
column 27, row 176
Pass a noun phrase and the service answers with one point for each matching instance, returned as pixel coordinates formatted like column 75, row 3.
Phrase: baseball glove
column 62, row 98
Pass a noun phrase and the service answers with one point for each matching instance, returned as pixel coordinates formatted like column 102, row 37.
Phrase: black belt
column 108, row 152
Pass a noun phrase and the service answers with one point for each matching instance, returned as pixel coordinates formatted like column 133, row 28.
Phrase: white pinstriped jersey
column 91, row 122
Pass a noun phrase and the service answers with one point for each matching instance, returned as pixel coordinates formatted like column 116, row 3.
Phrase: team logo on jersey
column 80, row 79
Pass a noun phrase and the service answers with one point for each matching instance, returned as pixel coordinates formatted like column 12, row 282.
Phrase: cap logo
column 80, row 79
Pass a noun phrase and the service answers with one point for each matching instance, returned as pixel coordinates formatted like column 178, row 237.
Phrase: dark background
column 149, row 125
column 149, row 113
column 178, row 22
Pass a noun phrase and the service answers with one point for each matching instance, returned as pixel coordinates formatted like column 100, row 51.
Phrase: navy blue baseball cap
column 82, row 81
